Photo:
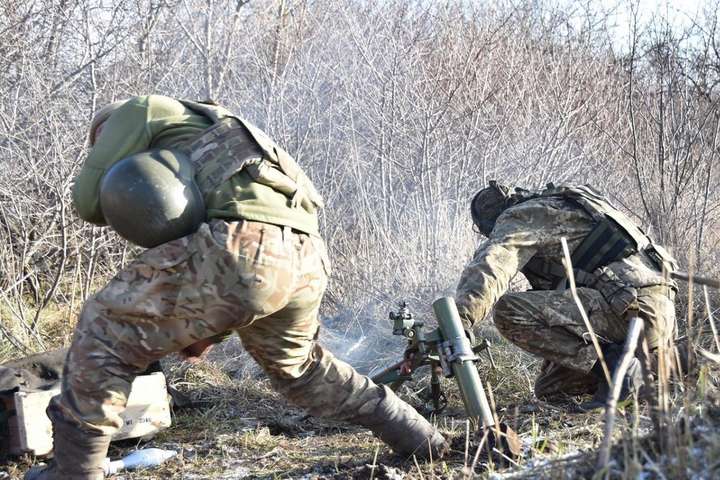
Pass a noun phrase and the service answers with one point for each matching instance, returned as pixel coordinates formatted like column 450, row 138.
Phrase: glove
column 408, row 360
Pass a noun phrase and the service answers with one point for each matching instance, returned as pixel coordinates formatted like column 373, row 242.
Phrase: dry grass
column 240, row 428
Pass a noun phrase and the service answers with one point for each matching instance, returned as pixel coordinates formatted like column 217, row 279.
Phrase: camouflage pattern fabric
column 220, row 152
column 264, row 281
column 547, row 322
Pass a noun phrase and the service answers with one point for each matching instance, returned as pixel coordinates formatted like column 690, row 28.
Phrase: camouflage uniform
column 546, row 321
column 263, row 281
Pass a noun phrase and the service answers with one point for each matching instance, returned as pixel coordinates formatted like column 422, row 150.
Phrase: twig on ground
column 711, row 319
column 467, row 441
column 477, row 452
column 652, row 465
column 422, row 477
column 374, row 464
column 500, row 452
column 567, row 263
column 636, row 326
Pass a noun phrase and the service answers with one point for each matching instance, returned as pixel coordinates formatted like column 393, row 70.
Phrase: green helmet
column 151, row 198
column 488, row 204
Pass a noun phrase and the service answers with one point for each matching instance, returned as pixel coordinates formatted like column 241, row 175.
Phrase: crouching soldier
column 232, row 229
column 616, row 267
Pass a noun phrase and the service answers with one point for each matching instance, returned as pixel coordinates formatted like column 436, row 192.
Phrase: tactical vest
column 613, row 237
column 220, row 152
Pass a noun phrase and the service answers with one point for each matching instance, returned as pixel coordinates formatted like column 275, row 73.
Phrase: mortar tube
column 464, row 369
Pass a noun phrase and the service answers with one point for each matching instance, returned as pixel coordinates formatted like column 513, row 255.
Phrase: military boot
column 401, row 427
column 79, row 454
column 333, row 389
column 633, row 381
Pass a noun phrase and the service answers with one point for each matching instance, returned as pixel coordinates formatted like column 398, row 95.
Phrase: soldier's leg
column 169, row 298
column 549, row 324
column 309, row 376
column 657, row 308
column 172, row 296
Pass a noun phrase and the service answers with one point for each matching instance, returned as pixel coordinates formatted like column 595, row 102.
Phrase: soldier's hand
column 197, row 352
column 406, row 367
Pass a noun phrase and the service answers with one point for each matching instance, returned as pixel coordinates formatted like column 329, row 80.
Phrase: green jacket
column 157, row 121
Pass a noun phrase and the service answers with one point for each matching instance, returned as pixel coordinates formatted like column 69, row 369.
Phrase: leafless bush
column 399, row 110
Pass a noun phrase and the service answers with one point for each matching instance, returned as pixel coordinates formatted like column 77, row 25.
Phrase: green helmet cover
column 151, row 198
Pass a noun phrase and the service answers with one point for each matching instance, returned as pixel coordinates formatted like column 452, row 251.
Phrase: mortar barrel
column 463, row 366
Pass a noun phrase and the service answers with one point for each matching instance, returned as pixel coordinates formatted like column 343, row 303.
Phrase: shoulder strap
column 600, row 209
column 217, row 114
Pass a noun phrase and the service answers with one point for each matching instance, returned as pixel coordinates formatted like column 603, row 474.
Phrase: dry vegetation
column 399, row 110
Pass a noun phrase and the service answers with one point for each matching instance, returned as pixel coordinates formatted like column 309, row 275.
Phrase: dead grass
column 240, row 428
column 56, row 325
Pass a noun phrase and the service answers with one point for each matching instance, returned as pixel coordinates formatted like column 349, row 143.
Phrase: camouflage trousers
column 549, row 324
column 264, row 281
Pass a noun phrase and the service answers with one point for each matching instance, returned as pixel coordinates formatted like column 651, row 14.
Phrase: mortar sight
column 404, row 322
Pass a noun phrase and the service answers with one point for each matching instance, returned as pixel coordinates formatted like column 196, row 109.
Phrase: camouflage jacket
column 530, row 233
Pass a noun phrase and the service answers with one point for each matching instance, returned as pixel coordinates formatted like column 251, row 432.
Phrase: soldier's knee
column 506, row 312
column 103, row 347
column 284, row 369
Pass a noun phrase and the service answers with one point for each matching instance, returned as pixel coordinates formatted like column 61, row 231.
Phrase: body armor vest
column 232, row 144
column 613, row 237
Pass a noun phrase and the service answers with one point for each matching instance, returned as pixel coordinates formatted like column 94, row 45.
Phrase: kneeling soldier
column 616, row 266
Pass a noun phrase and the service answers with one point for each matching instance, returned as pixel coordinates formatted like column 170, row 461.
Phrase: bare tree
column 398, row 110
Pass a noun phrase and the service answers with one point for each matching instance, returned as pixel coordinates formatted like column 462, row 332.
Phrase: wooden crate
column 30, row 430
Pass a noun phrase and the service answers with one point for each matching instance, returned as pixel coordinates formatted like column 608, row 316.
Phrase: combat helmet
column 487, row 205
column 151, row 198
